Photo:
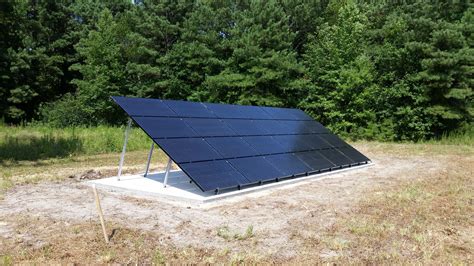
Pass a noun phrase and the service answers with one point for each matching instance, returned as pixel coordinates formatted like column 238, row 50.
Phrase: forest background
column 388, row 70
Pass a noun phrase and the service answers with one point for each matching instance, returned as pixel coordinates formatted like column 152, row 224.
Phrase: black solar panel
column 288, row 164
column 224, row 146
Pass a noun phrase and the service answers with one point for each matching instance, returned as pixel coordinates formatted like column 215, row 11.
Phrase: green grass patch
column 42, row 142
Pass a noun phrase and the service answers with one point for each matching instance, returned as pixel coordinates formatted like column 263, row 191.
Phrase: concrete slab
column 181, row 190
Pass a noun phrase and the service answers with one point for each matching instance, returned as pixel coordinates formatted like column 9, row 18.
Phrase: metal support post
column 167, row 173
column 149, row 159
column 129, row 124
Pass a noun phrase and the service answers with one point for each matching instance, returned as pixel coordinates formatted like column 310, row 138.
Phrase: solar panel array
column 223, row 146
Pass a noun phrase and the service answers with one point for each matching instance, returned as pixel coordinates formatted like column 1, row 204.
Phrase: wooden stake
column 101, row 215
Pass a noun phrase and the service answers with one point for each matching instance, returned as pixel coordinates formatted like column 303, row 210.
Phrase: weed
column 158, row 258
column 107, row 256
column 248, row 234
column 6, row 260
column 5, row 184
column 224, row 232
column 228, row 235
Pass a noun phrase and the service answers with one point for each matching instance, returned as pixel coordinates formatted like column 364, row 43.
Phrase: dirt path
column 280, row 220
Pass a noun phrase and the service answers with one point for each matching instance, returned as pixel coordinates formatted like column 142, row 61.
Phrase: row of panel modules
column 222, row 146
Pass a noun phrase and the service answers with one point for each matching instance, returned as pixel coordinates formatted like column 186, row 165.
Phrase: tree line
column 387, row 71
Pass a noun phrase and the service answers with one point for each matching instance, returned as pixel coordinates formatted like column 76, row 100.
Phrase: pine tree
column 262, row 68
column 36, row 55
column 340, row 71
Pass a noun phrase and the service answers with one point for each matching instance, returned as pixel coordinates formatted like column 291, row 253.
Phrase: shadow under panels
column 223, row 146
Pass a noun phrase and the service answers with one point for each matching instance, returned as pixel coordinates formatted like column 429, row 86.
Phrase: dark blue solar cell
column 246, row 127
column 252, row 112
column 286, row 113
column 353, row 154
column 293, row 143
column 314, row 160
column 264, row 144
column 316, row 127
column 223, row 110
column 188, row 150
column 334, row 140
column 231, row 147
column 143, row 106
column 288, row 164
column 296, row 127
column 162, row 127
column 316, row 142
column 214, row 175
column 237, row 111
column 275, row 127
column 205, row 127
column 256, row 169
column 336, row 157
column 189, row 109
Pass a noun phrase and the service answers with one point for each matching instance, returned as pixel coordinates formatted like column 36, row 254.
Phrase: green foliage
column 384, row 71
column 424, row 69
column 261, row 68
column 36, row 51
column 341, row 73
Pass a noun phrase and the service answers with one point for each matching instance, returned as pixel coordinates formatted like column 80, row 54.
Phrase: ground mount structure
column 224, row 147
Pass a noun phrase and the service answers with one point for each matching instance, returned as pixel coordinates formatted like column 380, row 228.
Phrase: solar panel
column 315, row 160
column 237, row 111
column 353, row 154
column 189, row 109
column 144, row 107
column 224, row 146
column 288, row 164
column 286, row 113
column 231, row 147
column 209, row 127
column 336, row 157
column 293, row 143
column 214, row 174
column 256, row 169
column 246, row 127
column 188, row 150
column 265, row 144
column 165, row 127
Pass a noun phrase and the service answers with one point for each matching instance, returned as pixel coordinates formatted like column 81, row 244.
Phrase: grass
column 14, row 173
column 427, row 220
column 464, row 136
column 18, row 143
column 229, row 235
column 423, row 221
column 41, row 142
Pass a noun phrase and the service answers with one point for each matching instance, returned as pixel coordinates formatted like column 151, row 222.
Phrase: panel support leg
column 149, row 159
column 167, row 173
column 129, row 124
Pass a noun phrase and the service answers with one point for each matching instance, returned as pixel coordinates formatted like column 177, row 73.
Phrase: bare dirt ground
column 310, row 222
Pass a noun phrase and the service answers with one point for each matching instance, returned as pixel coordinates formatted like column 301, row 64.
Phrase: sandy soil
column 280, row 219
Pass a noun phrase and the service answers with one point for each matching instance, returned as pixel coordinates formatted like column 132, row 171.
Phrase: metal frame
column 149, row 159
column 147, row 168
column 122, row 157
column 167, row 173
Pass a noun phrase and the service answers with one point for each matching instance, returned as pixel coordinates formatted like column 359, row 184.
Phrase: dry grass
column 50, row 242
column 14, row 173
column 425, row 220
column 429, row 220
